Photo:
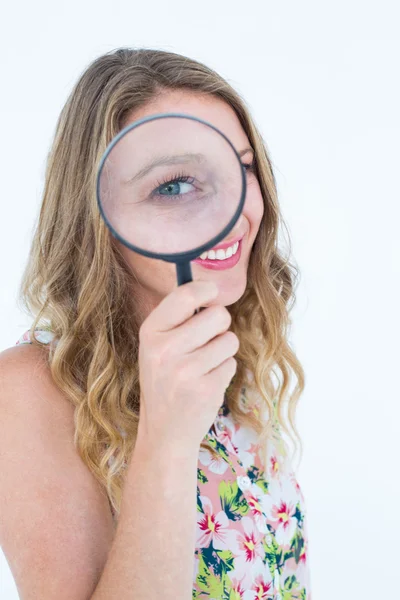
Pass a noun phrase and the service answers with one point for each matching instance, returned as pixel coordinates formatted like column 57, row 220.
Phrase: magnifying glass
column 171, row 186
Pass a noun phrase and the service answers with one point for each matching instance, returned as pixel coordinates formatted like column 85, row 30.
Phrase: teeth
column 220, row 254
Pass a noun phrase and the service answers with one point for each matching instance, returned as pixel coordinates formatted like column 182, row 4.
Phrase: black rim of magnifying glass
column 177, row 257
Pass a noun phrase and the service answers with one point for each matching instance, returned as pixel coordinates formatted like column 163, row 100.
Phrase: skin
column 154, row 279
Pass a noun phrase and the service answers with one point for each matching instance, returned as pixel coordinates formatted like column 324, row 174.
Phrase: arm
column 152, row 555
column 56, row 527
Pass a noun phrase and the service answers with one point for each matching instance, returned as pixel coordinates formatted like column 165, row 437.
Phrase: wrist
column 164, row 449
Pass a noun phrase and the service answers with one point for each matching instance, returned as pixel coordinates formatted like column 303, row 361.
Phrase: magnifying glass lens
column 170, row 185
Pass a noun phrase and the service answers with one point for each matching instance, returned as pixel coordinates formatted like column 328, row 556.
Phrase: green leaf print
column 299, row 515
column 220, row 448
column 291, row 589
column 279, row 560
column 287, row 555
column 226, row 557
column 232, row 500
column 263, row 484
column 254, row 473
column 290, row 582
column 203, row 479
column 201, row 476
column 210, row 583
column 257, row 476
column 219, row 562
column 297, row 545
column 226, row 561
column 272, row 553
column 199, row 504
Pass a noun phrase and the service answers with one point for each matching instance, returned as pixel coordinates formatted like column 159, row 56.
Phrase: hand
column 185, row 365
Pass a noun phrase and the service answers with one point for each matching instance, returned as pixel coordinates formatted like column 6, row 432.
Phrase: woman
column 129, row 472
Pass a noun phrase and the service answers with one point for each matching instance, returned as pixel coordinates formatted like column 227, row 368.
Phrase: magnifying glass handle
column 184, row 275
column 183, row 272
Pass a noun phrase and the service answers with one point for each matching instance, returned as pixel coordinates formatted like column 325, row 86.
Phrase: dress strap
column 41, row 334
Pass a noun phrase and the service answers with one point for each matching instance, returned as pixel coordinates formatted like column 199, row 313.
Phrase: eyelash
column 178, row 178
column 181, row 178
column 250, row 167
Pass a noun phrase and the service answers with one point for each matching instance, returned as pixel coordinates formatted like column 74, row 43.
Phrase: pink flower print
column 24, row 338
column 236, row 591
column 255, row 499
column 303, row 553
column 243, row 439
column 225, row 436
column 303, row 573
column 214, row 464
column 296, row 486
column 281, row 509
column 214, row 527
column 250, row 543
column 260, row 581
column 262, row 588
column 284, row 513
column 274, row 466
column 301, row 570
column 248, row 564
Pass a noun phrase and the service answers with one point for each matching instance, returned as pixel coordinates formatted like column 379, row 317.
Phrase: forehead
column 204, row 106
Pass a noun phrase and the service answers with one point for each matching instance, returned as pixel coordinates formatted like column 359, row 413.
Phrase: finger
column 222, row 375
column 179, row 305
column 201, row 328
column 214, row 353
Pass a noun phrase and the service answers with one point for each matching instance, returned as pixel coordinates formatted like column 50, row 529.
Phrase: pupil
column 171, row 188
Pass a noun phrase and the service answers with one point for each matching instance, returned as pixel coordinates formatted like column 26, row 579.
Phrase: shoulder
column 22, row 360
column 25, row 375
column 56, row 517
column 26, row 358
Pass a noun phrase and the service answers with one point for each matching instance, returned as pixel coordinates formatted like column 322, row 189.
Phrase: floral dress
column 251, row 531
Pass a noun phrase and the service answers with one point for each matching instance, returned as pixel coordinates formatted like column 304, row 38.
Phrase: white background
column 322, row 81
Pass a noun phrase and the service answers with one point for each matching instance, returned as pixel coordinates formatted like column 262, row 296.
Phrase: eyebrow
column 166, row 160
column 174, row 160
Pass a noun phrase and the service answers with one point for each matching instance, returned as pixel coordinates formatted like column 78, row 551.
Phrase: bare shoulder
column 25, row 367
column 56, row 526
column 27, row 390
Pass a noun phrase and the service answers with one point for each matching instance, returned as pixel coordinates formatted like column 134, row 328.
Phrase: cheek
column 150, row 273
column 254, row 208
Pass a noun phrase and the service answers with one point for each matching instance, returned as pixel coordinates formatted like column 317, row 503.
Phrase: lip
column 221, row 265
column 228, row 243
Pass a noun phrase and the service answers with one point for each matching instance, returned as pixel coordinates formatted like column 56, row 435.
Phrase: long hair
column 77, row 283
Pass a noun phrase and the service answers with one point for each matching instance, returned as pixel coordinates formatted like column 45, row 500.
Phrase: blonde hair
column 77, row 283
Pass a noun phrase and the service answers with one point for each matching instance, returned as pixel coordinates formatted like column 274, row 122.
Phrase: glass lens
column 170, row 185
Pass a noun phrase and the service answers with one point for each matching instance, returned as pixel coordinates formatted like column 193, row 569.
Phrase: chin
column 231, row 295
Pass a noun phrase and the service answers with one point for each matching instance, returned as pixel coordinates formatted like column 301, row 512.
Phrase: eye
column 250, row 167
column 175, row 187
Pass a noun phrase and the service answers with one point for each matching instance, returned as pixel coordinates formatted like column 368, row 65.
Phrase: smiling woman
column 147, row 439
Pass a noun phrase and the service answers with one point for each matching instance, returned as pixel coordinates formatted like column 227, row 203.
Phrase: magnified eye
column 175, row 187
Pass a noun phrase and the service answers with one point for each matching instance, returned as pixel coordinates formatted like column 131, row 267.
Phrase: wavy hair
column 77, row 284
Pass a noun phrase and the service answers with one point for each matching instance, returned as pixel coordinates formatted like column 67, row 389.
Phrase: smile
column 221, row 254
column 221, row 258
